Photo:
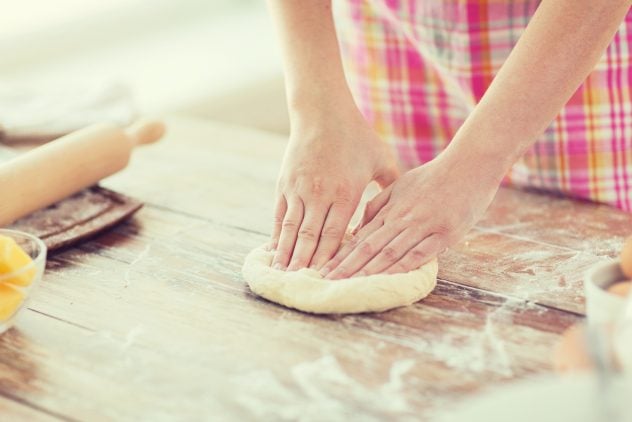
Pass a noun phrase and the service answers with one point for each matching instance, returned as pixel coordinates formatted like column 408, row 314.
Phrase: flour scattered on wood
column 323, row 390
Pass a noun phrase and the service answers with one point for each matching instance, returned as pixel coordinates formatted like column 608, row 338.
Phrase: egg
column 626, row 258
column 621, row 288
column 571, row 354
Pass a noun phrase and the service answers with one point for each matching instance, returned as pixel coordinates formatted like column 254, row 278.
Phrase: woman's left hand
column 417, row 217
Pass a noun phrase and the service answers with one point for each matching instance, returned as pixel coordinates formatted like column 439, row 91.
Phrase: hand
column 328, row 164
column 413, row 220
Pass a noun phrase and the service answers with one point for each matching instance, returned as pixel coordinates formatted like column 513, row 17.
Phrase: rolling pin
column 67, row 165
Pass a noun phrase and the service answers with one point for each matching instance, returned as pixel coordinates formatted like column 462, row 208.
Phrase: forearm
column 560, row 46
column 313, row 67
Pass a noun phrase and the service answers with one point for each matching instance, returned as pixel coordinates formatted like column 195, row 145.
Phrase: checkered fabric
column 417, row 68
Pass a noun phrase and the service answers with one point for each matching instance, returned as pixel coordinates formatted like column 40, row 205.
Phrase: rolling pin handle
column 145, row 131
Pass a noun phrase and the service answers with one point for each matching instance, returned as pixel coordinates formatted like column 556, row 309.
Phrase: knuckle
column 445, row 228
column 344, row 194
column 389, row 254
column 395, row 224
column 365, row 248
column 407, row 216
column 353, row 242
column 317, row 187
column 332, row 232
column 417, row 255
column 290, row 224
column 307, row 233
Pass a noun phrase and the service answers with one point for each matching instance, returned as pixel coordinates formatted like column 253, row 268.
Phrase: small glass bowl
column 36, row 249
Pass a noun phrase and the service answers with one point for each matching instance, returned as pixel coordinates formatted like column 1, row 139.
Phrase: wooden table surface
column 153, row 321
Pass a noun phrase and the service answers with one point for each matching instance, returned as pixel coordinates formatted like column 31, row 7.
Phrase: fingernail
column 324, row 271
column 277, row 266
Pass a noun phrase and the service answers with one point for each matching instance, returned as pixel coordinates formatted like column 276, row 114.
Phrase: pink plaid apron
column 418, row 67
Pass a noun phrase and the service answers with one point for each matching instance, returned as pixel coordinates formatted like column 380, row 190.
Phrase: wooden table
column 153, row 321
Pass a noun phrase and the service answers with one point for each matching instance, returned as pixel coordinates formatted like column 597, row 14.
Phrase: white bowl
column 603, row 307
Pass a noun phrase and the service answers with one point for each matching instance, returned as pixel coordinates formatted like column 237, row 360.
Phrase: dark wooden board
column 76, row 218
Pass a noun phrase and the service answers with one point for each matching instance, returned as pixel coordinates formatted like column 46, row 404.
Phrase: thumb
column 373, row 207
column 387, row 170
column 387, row 174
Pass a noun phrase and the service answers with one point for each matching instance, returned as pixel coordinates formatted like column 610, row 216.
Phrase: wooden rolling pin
column 62, row 167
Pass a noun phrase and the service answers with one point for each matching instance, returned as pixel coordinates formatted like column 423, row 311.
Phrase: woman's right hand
column 329, row 161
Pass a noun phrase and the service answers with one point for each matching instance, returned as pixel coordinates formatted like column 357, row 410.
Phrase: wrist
column 475, row 164
column 315, row 98
column 318, row 110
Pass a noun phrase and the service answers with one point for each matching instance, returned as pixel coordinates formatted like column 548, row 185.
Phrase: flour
column 322, row 390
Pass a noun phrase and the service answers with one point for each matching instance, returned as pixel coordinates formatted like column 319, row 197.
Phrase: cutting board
column 76, row 218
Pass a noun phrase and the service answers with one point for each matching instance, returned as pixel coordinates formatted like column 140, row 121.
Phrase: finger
column 279, row 214
column 391, row 253
column 333, row 232
column 345, row 250
column 308, row 236
column 373, row 207
column 364, row 252
column 348, row 247
column 419, row 255
column 289, row 232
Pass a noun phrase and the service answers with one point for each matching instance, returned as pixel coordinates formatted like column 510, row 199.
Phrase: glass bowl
column 36, row 249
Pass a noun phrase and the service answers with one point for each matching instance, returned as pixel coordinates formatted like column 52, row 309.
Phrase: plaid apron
column 417, row 68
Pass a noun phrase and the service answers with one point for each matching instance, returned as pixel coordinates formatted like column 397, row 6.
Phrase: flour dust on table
column 307, row 291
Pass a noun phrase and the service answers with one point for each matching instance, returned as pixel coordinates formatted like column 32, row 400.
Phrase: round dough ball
column 621, row 288
column 626, row 258
column 307, row 291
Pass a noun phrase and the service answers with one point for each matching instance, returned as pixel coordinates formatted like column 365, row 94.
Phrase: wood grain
column 197, row 312
column 529, row 245
column 153, row 321
column 76, row 218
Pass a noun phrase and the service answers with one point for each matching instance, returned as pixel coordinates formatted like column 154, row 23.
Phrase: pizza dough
column 307, row 291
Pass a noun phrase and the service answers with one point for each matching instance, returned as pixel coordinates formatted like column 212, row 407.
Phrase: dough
column 307, row 291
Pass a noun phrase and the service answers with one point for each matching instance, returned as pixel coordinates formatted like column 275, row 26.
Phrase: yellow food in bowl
column 16, row 271
column 13, row 260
